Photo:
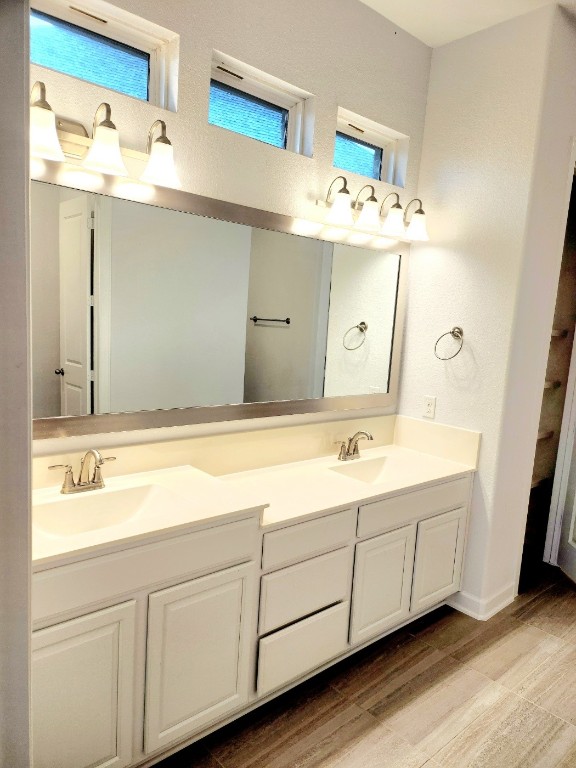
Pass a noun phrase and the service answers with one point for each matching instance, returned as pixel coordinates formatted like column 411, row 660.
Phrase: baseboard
column 482, row 609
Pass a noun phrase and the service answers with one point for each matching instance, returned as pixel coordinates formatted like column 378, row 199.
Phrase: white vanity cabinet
column 198, row 654
column 438, row 563
column 172, row 654
column 82, row 693
column 382, row 583
column 413, row 566
column 305, row 607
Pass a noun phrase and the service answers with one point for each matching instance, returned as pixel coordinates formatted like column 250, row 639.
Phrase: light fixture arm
column 396, row 204
column 106, row 122
column 40, row 90
column 419, row 210
column 371, row 199
column 344, row 189
column 163, row 139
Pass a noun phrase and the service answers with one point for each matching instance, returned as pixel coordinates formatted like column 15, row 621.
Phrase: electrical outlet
column 429, row 407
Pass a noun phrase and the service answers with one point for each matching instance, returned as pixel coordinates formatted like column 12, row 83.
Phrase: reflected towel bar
column 256, row 319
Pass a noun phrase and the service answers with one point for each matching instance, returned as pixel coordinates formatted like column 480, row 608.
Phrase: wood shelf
column 545, row 434
column 552, row 384
column 559, row 333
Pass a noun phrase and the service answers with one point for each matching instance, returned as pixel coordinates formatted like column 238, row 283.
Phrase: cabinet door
column 438, row 563
column 198, row 654
column 82, row 690
column 382, row 581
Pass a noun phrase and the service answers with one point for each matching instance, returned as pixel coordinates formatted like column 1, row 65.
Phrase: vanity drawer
column 305, row 588
column 304, row 540
column 300, row 648
column 381, row 516
column 98, row 579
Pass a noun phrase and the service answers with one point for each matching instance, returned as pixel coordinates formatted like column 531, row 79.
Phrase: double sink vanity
column 172, row 600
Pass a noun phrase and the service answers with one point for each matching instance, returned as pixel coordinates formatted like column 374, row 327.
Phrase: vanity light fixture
column 369, row 218
column 416, row 229
column 104, row 155
column 394, row 222
column 44, row 141
column 340, row 211
column 160, row 168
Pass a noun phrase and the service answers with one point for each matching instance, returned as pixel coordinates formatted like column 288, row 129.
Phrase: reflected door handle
column 59, row 371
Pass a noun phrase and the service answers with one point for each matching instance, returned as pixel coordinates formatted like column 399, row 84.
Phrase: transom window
column 81, row 53
column 243, row 113
column 108, row 46
column 369, row 149
column 357, row 156
column 255, row 104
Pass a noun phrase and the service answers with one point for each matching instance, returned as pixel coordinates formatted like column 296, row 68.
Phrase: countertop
column 303, row 489
column 171, row 501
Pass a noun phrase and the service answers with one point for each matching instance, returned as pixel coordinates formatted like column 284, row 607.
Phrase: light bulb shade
column 104, row 155
column 369, row 219
column 44, row 140
column 160, row 168
column 340, row 212
column 394, row 223
column 416, row 230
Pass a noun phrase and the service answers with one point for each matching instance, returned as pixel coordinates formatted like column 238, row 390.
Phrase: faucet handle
column 68, row 476
column 97, row 478
column 343, row 453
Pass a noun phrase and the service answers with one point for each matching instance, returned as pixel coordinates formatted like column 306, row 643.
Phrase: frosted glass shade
column 369, row 219
column 160, row 168
column 394, row 223
column 44, row 140
column 417, row 228
column 340, row 212
column 104, row 155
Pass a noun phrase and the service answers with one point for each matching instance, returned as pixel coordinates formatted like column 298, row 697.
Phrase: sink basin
column 93, row 510
column 366, row 470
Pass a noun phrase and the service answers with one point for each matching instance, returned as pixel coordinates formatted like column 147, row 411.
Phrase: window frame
column 394, row 145
column 161, row 45
column 268, row 89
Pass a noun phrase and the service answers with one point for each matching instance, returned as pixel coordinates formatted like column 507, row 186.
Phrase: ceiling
column 437, row 22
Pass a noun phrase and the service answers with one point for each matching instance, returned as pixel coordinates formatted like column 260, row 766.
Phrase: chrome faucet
column 85, row 481
column 349, row 448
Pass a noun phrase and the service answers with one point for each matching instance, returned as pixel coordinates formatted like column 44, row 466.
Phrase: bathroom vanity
column 215, row 594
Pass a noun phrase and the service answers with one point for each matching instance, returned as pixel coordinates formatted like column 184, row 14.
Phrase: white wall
column 179, row 302
column 494, row 174
column 15, row 400
column 339, row 50
column 363, row 288
column 285, row 281
column 45, row 287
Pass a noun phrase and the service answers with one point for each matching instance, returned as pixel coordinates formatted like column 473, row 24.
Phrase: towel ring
column 362, row 327
column 456, row 333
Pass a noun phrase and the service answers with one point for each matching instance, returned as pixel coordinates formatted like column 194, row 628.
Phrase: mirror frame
column 189, row 202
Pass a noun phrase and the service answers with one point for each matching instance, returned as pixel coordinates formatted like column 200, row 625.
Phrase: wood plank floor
column 445, row 692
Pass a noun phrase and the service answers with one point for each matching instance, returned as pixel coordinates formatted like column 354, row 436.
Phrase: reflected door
column 75, row 305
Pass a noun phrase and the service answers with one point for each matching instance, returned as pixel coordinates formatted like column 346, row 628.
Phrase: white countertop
column 182, row 498
column 170, row 501
column 305, row 488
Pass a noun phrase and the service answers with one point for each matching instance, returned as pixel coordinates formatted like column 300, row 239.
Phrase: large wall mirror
column 146, row 316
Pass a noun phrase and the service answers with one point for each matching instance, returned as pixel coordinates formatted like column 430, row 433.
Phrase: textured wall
column 15, row 406
column 496, row 137
column 339, row 50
